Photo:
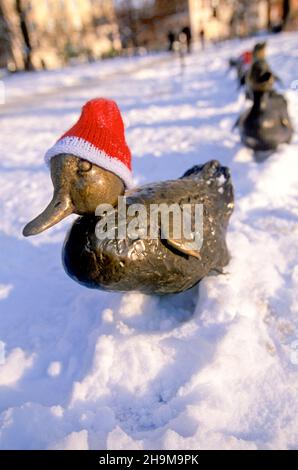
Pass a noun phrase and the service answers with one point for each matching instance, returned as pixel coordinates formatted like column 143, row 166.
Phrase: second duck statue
column 91, row 168
column 267, row 124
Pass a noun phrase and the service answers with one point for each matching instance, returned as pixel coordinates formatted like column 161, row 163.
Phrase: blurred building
column 213, row 17
column 250, row 17
column 38, row 34
column 146, row 23
column 221, row 19
column 49, row 33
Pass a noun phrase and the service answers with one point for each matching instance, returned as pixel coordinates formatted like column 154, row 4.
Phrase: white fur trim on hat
column 83, row 149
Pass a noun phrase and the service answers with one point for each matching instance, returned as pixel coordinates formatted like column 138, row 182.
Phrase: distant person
column 182, row 47
column 202, row 38
column 43, row 64
column 187, row 31
column 171, row 40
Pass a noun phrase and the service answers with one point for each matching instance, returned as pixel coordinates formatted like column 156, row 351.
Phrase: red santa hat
column 98, row 137
column 246, row 57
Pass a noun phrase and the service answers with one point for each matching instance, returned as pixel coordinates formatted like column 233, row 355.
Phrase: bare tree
column 286, row 7
column 27, row 50
column 5, row 40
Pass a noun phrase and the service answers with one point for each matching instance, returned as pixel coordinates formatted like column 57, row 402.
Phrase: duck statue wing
column 177, row 210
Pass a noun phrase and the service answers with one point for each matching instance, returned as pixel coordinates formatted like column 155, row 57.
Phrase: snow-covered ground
column 215, row 367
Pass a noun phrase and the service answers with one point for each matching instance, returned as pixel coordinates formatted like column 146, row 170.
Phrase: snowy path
column 210, row 368
column 25, row 89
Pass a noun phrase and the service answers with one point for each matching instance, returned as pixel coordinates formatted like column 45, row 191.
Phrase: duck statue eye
column 84, row 166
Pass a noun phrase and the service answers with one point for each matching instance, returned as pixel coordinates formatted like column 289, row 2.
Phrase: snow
column 14, row 367
column 215, row 367
column 73, row 441
column 54, row 368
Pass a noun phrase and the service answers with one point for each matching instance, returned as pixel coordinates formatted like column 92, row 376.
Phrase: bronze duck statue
column 86, row 175
column 259, row 76
column 244, row 62
column 266, row 124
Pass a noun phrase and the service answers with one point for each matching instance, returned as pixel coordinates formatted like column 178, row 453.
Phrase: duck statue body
column 159, row 265
column 266, row 124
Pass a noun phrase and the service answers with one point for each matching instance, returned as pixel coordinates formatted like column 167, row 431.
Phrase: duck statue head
column 79, row 188
column 91, row 167
column 259, row 51
column 83, row 172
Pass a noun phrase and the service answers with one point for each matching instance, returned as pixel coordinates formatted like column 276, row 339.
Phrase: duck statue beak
column 59, row 208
